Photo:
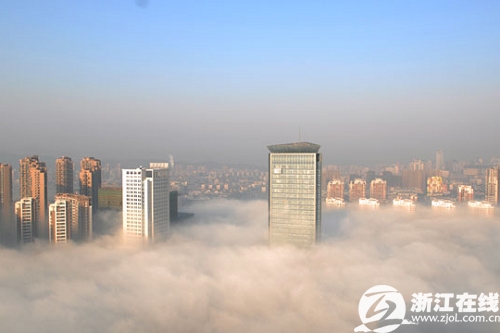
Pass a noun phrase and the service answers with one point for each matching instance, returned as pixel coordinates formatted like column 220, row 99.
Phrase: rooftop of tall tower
column 295, row 147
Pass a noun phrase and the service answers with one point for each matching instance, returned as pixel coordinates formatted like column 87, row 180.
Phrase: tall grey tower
column 294, row 194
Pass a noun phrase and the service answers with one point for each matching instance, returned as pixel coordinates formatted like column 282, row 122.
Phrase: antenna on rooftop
column 299, row 134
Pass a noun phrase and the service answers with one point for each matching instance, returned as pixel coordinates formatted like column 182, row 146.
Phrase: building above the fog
column 294, row 194
column 146, row 202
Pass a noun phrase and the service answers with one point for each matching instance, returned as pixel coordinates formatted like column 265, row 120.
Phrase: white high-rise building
column 58, row 222
column 294, row 193
column 26, row 219
column 146, row 202
column 70, row 217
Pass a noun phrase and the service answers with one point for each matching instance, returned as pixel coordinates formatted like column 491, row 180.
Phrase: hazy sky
column 220, row 80
column 219, row 275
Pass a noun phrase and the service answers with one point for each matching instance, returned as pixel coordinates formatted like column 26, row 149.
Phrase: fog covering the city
column 217, row 274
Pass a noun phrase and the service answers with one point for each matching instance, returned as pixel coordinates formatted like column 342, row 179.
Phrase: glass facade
column 294, row 197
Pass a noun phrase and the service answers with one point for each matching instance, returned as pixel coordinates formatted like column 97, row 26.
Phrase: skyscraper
column 357, row 189
column 146, row 202
column 439, row 160
column 26, row 219
column 413, row 180
column 492, row 185
column 58, row 223
column 64, row 175
column 370, row 175
column 5, row 192
column 378, row 189
column 33, row 184
column 294, row 193
column 90, row 180
column 465, row 193
column 70, row 217
column 335, row 189
column 434, row 186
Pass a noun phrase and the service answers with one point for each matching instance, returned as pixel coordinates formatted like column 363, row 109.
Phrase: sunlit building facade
column 146, row 202
column 58, row 222
column 70, row 217
column 434, row 186
column 26, row 219
column 491, row 185
column 465, row 193
column 64, row 175
column 335, row 189
column 33, row 184
column 90, row 180
column 378, row 189
column 357, row 190
column 294, row 194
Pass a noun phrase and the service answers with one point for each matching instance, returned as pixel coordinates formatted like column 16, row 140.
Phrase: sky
column 217, row 274
column 370, row 81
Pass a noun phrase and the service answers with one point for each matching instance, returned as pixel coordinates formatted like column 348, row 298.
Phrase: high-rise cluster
column 69, row 217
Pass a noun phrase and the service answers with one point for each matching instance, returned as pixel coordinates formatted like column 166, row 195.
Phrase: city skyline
column 255, row 228
column 370, row 81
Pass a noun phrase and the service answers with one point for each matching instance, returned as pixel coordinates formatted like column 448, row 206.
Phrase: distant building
column 294, row 194
column 413, row 180
column 442, row 204
column 439, row 160
column 391, row 179
column 465, row 193
column 335, row 189
column 370, row 175
column 174, row 205
column 378, row 189
column 64, row 175
column 335, row 202
column 357, row 190
column 146, row 202
column 26, row 219
column 33, row 184
column 492, row 185
column 70, row 217
column 110, row 198
column 371, row 202
column 483, row 208
column 417, row 165
column 58, row 224
column 90, row 180
column 5, row 192
column 434, row 186
column 406, row 204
